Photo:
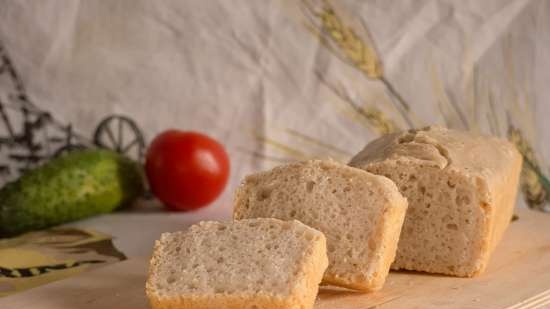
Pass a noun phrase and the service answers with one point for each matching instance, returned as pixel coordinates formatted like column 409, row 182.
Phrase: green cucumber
column 71, row 187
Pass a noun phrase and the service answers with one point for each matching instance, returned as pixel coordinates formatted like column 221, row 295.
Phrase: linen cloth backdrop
column 274, row 81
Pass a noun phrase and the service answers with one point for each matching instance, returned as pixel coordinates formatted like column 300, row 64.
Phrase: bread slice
column 461, row 190
column 252, row 264
column 360, row 214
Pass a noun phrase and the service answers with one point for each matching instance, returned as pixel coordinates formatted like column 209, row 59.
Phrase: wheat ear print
column 357, row 51
column 373, row 118
column 534, row 184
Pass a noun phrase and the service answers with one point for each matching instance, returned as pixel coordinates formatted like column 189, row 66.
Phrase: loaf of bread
column 361, row 214
column 249, row 264
column 461, row 190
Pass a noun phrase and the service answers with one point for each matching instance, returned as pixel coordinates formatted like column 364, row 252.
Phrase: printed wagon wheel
column 121, row 134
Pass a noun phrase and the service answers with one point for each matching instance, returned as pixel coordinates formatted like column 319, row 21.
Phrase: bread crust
column 387, row 227
column 302, row 296
column 489, row 165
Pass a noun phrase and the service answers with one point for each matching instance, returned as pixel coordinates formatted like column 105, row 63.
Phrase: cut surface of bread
column 361, row 214
column 461, row 190
column 250, row 264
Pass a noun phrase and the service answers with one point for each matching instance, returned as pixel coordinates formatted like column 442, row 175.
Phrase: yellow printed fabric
column 38, row 258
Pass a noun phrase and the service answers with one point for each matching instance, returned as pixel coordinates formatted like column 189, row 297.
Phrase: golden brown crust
column 301, row 297
column 384, row 238
column 393, row 222
column 501, row 210
column 388, row 236
column 219, row 302
column 489, row 165
column 474, row 155
column 304, row 295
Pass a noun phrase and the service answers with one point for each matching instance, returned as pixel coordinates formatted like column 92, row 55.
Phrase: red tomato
column 186, row 170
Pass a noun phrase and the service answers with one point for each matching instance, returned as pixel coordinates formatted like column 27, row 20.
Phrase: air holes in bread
column 310, row 185
column 264, row 194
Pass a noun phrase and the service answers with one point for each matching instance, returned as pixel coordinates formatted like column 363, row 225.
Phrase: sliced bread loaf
column 461, row 190
column 250, row 264
column 360, row 214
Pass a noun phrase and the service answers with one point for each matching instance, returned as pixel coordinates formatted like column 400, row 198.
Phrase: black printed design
column 40, row 270
column 29, row 135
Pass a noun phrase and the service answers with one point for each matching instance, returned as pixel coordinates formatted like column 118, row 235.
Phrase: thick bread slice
column 251, row 264
column 461, row 190
column 360, row 214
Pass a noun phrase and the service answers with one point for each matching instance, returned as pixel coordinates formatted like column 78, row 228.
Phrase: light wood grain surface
column 518, row 278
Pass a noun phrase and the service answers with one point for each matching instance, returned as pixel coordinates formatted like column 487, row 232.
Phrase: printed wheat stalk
column 318, row 143
column 353, row 50
column 293, row 153
column 374, row 117
column 444, row 99
column 263, row 156
column 534, row 184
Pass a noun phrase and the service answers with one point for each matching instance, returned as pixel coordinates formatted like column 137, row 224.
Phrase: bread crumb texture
column 360, row 213
column 254, row 264
column 461, row 189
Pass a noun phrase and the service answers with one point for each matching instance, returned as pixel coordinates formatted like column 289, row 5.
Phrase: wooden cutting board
column 518, row 278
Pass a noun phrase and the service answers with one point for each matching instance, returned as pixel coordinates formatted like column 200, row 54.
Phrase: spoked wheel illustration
column 121, row 134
